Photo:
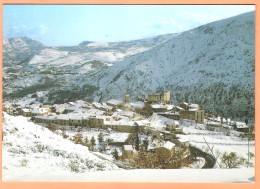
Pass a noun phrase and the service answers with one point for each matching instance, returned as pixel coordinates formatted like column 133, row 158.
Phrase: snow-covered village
column 122, row 134
column 93, row 99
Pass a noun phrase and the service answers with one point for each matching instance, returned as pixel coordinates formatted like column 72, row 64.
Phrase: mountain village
column 124, row 128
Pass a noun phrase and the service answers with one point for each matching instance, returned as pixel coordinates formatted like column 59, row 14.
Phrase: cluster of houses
column 125, row 116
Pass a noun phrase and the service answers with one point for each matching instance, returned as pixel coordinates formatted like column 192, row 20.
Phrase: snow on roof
column 69, row 116
column 115, row 102
column 40, row 110
column 142, row 122
column 137, row 104
column 169, row 107
column 100, row 117
column 26, row 110
column 63, row 117
column 156, row 106
column 179, row 108
column 241, row 125
column 128, row 114
column 121, row 123
column 128, row 147
column 118, row 137
column 194, row 105
column 158, row 122
column 193, row 110
column 47, row 117
column 176, row 122
column 169, row 145
column 104, row 106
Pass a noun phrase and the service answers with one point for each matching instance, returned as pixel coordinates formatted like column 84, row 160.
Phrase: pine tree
column 100, row 138
column 86, row 140
column 92, row 142
column 116, row 155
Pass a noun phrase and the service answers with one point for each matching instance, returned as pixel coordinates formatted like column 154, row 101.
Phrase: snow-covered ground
column 221, row 141
column 32, row 151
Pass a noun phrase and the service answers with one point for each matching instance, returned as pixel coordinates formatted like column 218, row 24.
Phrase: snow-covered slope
column 19, row 50
column 212, row 65
column 57, row 69
column 29, row 150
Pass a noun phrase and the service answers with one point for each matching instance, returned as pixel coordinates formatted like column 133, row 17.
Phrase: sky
column 65, row 25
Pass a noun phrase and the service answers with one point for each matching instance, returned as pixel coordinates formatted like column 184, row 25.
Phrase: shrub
column 24, row 162
column 53, row 128
column 162, row 159
column 78, row 138
column 231, row 160
column 74, row 167
column 64, row 135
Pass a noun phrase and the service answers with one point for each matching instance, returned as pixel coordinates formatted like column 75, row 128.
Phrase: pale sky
column 56, row 25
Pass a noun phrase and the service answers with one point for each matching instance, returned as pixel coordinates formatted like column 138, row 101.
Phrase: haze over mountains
column 212, row 65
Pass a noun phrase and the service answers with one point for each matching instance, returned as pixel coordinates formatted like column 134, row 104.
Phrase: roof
column 156, row 106
column 115, row 102
column 241, row 125
column 26, row 110
column 194, row 105
column 137, row 104
column 142, row 122
column 121, row 123
column 128, row 147
column 176, row 122
column 179, row 108
column 40, row 110
column 169, row 145
column 118, row 137
column 47, row 117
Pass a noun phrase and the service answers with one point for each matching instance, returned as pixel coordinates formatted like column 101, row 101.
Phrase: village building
column 199, row 116
column 115, row 103
column 96, row 121
column 103, row 106
column 178, row 108
column 63, row 119
column 122, row 126
column 192, row 114
column 46, row 119
column 40, row 111
column 25, row 112
column 76, row 121
column 170, row 146
column 118, row 139
column 127, row 99
column 170, row 115
column 174, row 127
column 242, row 127
column 194, row 106
column 159, row 108
column 159, row 98
column 184, row 105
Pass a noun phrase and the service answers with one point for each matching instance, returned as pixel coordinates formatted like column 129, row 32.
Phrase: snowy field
column 34, row 153
column 220, row 141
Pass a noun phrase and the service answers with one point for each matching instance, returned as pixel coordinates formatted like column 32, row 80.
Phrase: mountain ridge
column 212, row 65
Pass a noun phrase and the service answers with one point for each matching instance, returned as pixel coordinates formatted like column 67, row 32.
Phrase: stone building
column 160, row 98
column 193, row 114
